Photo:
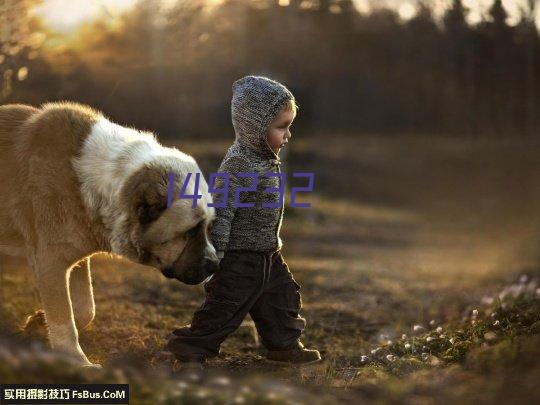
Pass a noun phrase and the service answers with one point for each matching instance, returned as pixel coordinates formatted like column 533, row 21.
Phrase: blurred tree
column 499, row 99
column 421, row 41
column 324, row 5
column 498, row 14
column 454, row 18
column 347, row 6
column 171, row 68
column 459, row 88
column 530, row 60
column 20, row 39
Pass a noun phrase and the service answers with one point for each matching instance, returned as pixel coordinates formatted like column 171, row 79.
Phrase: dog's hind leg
column 82, row 295
column 52, row 281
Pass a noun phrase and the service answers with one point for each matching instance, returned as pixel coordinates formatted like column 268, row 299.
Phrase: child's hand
column 219, row 254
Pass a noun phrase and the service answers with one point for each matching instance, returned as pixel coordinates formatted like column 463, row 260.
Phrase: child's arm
column 224, row 216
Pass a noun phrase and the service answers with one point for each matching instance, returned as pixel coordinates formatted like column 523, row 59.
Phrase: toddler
column 253, row 277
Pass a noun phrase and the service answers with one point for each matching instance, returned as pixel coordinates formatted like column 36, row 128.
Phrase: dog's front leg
column 81, row 294
column 52, row 281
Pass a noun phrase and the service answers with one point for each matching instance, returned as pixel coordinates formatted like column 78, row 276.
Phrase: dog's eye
column 193, row 231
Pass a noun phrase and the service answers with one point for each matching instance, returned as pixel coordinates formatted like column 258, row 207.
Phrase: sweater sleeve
column 224, row 215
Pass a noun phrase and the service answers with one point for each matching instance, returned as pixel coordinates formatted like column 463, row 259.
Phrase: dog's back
column 12, row 118
column 36, row 147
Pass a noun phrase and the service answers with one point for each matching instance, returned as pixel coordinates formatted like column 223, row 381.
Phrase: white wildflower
column 391, row 357
column 439, row 329
column 193, row 376
column 407, row 346
column 201, row 393
column 418, row 328
column 475, row 312
column 222, row 381
column 487, row 300
column 496, row 323
column 489, row 336
column 404, row 336
column 364, row 359
column 181, row 385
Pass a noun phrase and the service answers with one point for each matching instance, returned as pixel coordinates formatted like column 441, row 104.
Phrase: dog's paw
column 92, row 366
column 35, row 326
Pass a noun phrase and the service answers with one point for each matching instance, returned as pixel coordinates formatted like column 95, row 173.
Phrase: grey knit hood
column 255, row 103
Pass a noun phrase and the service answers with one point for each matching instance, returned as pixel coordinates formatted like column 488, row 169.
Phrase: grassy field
column 419, row 268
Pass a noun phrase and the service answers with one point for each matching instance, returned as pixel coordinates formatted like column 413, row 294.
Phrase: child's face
column 278, row 131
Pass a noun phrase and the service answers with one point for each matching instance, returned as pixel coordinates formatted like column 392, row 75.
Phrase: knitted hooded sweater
column 255, row 103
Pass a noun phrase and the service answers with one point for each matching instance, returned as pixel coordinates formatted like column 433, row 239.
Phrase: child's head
column 262, row 110
column 278, row 133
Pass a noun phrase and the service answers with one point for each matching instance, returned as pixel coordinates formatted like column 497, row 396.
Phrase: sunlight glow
column 406, row 11
column 363, row 6
column 66, row 15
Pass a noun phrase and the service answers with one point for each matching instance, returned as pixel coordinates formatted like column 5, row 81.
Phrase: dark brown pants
column 247, row 282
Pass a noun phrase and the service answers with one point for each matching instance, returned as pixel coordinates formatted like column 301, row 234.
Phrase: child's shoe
column 297, row 355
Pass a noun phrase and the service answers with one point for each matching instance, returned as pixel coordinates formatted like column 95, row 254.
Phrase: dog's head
column 174, row 239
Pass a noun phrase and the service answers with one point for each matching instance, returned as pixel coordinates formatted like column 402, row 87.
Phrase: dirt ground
column 402, row 231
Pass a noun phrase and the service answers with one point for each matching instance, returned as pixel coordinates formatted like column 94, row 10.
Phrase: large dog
column 74, row 184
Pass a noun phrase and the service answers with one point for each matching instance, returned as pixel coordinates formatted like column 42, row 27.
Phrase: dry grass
column 401, row 232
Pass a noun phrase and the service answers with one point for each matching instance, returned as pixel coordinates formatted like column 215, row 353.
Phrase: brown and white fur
column 74, row 184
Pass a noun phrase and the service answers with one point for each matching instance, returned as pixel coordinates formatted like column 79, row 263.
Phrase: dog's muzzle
column 194, row 275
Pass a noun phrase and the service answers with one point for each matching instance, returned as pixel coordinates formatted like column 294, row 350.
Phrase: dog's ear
column 150, row 202
column 147, row 213
column 144, row 195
